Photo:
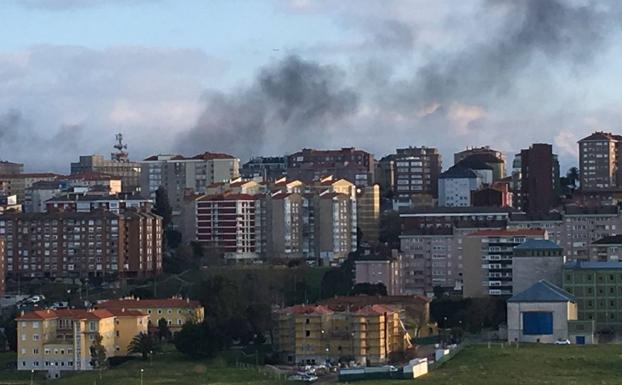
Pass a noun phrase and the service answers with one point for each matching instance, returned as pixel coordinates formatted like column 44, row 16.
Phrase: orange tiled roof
column 66, row 313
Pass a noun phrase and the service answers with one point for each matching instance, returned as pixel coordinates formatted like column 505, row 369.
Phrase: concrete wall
column 562, row 312
column 527, row 271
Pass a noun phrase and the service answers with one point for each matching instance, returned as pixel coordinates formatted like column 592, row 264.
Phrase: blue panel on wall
column 537, row 323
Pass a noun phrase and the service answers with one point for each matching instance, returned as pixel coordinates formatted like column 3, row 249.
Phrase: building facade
column 60, row 340
column 265, row 168
column 176, row 310
column 538, row 186
column 535, row 260
column 317, row 334
column 378, row 269
column 541, row 314
column 488, row 256
column 127, row 171
column 368, row 213
column 455, row 187
column 598, row 289
column 493, row 158
column 599, row 162
column 415, row 172
column 179, row 174
column 69, row 244
column 354, row 165
column 230, row 223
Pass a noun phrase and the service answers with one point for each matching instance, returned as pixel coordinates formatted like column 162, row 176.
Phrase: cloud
column 56, row 92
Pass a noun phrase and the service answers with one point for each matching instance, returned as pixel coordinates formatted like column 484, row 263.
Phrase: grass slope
column 166, row 369
column 529, row 364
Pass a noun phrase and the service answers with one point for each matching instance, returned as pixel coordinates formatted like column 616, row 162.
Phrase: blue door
column 580, row 340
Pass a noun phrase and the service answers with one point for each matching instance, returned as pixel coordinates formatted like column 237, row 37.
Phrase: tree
column 369, row 289
column 164, row 333
column 390, row 229
column 143, row 344
column 98, row 353
column 199, row 340
column 162, row 206
column 10, row 331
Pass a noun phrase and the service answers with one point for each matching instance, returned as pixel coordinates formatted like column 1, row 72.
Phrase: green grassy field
column 475, row 365
column 528, row 365
column 166, row 369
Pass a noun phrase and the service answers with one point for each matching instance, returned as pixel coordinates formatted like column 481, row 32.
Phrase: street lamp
column 151, row 358
column 32, row 376
column 141, row 376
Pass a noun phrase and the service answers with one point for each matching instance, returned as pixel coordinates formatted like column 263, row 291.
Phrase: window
column 35, row 337
column 307, row 333
column 35, row 324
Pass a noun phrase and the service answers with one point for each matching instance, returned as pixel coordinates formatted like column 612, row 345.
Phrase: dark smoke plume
column 294, row 102
column 551, row 30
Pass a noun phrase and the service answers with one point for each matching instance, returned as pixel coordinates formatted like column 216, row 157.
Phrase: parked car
column 562, row 341
column 304, row 377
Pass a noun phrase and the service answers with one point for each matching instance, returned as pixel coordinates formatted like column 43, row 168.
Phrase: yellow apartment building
column 59, row 340
column 315, row 334
column 176, row 311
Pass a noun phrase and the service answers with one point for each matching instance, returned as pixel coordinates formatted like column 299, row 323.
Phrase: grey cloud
column 558, row 31
column 294, row 99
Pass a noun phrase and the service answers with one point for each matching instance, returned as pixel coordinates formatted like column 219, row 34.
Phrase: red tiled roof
column 66, row 313
column 133, row 303
column 508, row 233
column 123, row 312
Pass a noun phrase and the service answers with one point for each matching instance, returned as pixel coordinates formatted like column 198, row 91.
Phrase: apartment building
column 121, row 167
column 354, row 165
column 414, row 174
column 379, row 268
column 2, row 268
column 231, row 223
column 456, row 185
column 285, row 225
column 368, row 213
column 597, row 287
column 72, row 244
column 11, row 168
column 84, row 201
column 536, row 179
column 59, row 340
column 488, row 256
column 179, row 174
column 16, row 184
column 334, row 218
column 176, row 310
column 599, row 162
column 608, row 248
column 316, row 334
column 94, row 180
column 264, row 168
column 493, row 158
column 432, row 244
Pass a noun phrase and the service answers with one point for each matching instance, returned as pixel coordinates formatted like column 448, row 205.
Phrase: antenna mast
column 121, row 155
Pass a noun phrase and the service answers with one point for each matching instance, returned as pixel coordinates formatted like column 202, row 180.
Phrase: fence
column 452, row 353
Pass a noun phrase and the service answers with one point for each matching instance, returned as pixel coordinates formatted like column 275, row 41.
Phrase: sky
column 268, row 77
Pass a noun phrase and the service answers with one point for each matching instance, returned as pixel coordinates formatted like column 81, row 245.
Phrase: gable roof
column 543, row 291
column 609, row 240
column 458, row 172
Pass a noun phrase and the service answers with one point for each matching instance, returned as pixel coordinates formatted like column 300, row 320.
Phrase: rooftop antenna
column 120, row 155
